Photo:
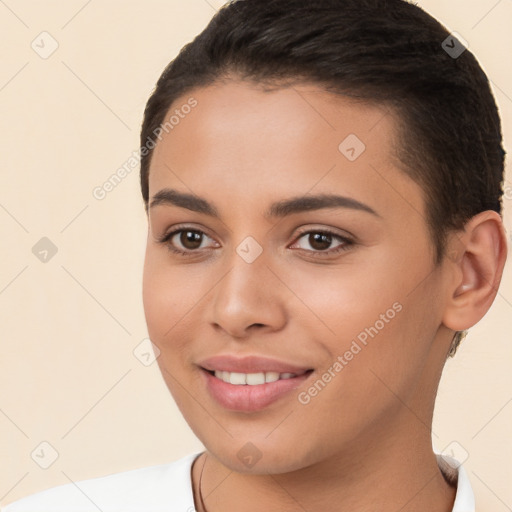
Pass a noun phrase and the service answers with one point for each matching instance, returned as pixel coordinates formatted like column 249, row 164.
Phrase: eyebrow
column 282, row 208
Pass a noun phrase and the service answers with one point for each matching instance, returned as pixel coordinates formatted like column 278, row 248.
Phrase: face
column 283, row 239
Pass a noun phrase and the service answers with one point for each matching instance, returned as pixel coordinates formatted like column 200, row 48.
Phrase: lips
column 250, row 383
column 250, row 364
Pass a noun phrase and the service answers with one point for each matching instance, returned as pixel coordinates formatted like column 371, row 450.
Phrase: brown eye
column 187, row 241
column 320, row 241
column 190, row 239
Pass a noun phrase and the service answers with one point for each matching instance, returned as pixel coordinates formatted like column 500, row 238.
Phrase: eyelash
column 346, row 242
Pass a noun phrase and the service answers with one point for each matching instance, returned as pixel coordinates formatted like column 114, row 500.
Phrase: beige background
column 69, row 326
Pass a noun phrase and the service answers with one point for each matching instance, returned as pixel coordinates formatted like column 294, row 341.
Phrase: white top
column 166, row 487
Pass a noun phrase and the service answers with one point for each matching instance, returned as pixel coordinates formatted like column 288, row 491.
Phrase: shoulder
column 155, row 488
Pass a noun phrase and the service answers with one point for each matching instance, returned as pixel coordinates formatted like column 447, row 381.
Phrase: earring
column 457, row 339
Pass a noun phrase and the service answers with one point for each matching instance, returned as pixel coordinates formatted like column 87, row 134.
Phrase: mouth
column 253, row 379
column 251, row 392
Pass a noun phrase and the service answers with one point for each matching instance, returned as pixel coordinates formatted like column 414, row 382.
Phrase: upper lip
column 249, row 364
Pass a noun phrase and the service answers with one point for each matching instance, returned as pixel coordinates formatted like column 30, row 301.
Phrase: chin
column 260, row 458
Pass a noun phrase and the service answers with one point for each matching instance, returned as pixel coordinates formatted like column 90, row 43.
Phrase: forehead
column 243, row 140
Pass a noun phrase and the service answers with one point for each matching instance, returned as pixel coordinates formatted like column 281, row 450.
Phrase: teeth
column 252, row 379
column 237, row 378
column 271, row 376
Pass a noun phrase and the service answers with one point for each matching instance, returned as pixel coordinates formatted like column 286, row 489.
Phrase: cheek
column 372, row 318
column 170, row 302
column 341, row 302
column 158, row 298
column 174, row 297
column 166, row 299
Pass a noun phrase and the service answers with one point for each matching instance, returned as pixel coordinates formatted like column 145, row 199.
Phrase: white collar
column 169, row 487
column 464, row 498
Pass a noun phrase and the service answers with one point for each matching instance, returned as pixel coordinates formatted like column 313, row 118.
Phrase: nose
column 247, row 299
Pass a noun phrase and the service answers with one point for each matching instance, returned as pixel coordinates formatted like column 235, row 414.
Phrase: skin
column 364, row 441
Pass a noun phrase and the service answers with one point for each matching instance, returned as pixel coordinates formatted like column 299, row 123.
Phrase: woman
column 323, row 186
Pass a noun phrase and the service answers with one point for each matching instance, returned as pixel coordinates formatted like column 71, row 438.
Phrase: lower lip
column 247, row 398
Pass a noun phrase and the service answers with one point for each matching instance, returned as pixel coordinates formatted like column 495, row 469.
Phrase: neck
column 398, row 473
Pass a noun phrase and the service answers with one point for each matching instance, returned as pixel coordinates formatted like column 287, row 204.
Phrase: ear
column 476, row 260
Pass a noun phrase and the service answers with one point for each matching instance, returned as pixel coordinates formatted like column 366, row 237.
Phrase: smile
column 252, row 379
column 251, row 392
